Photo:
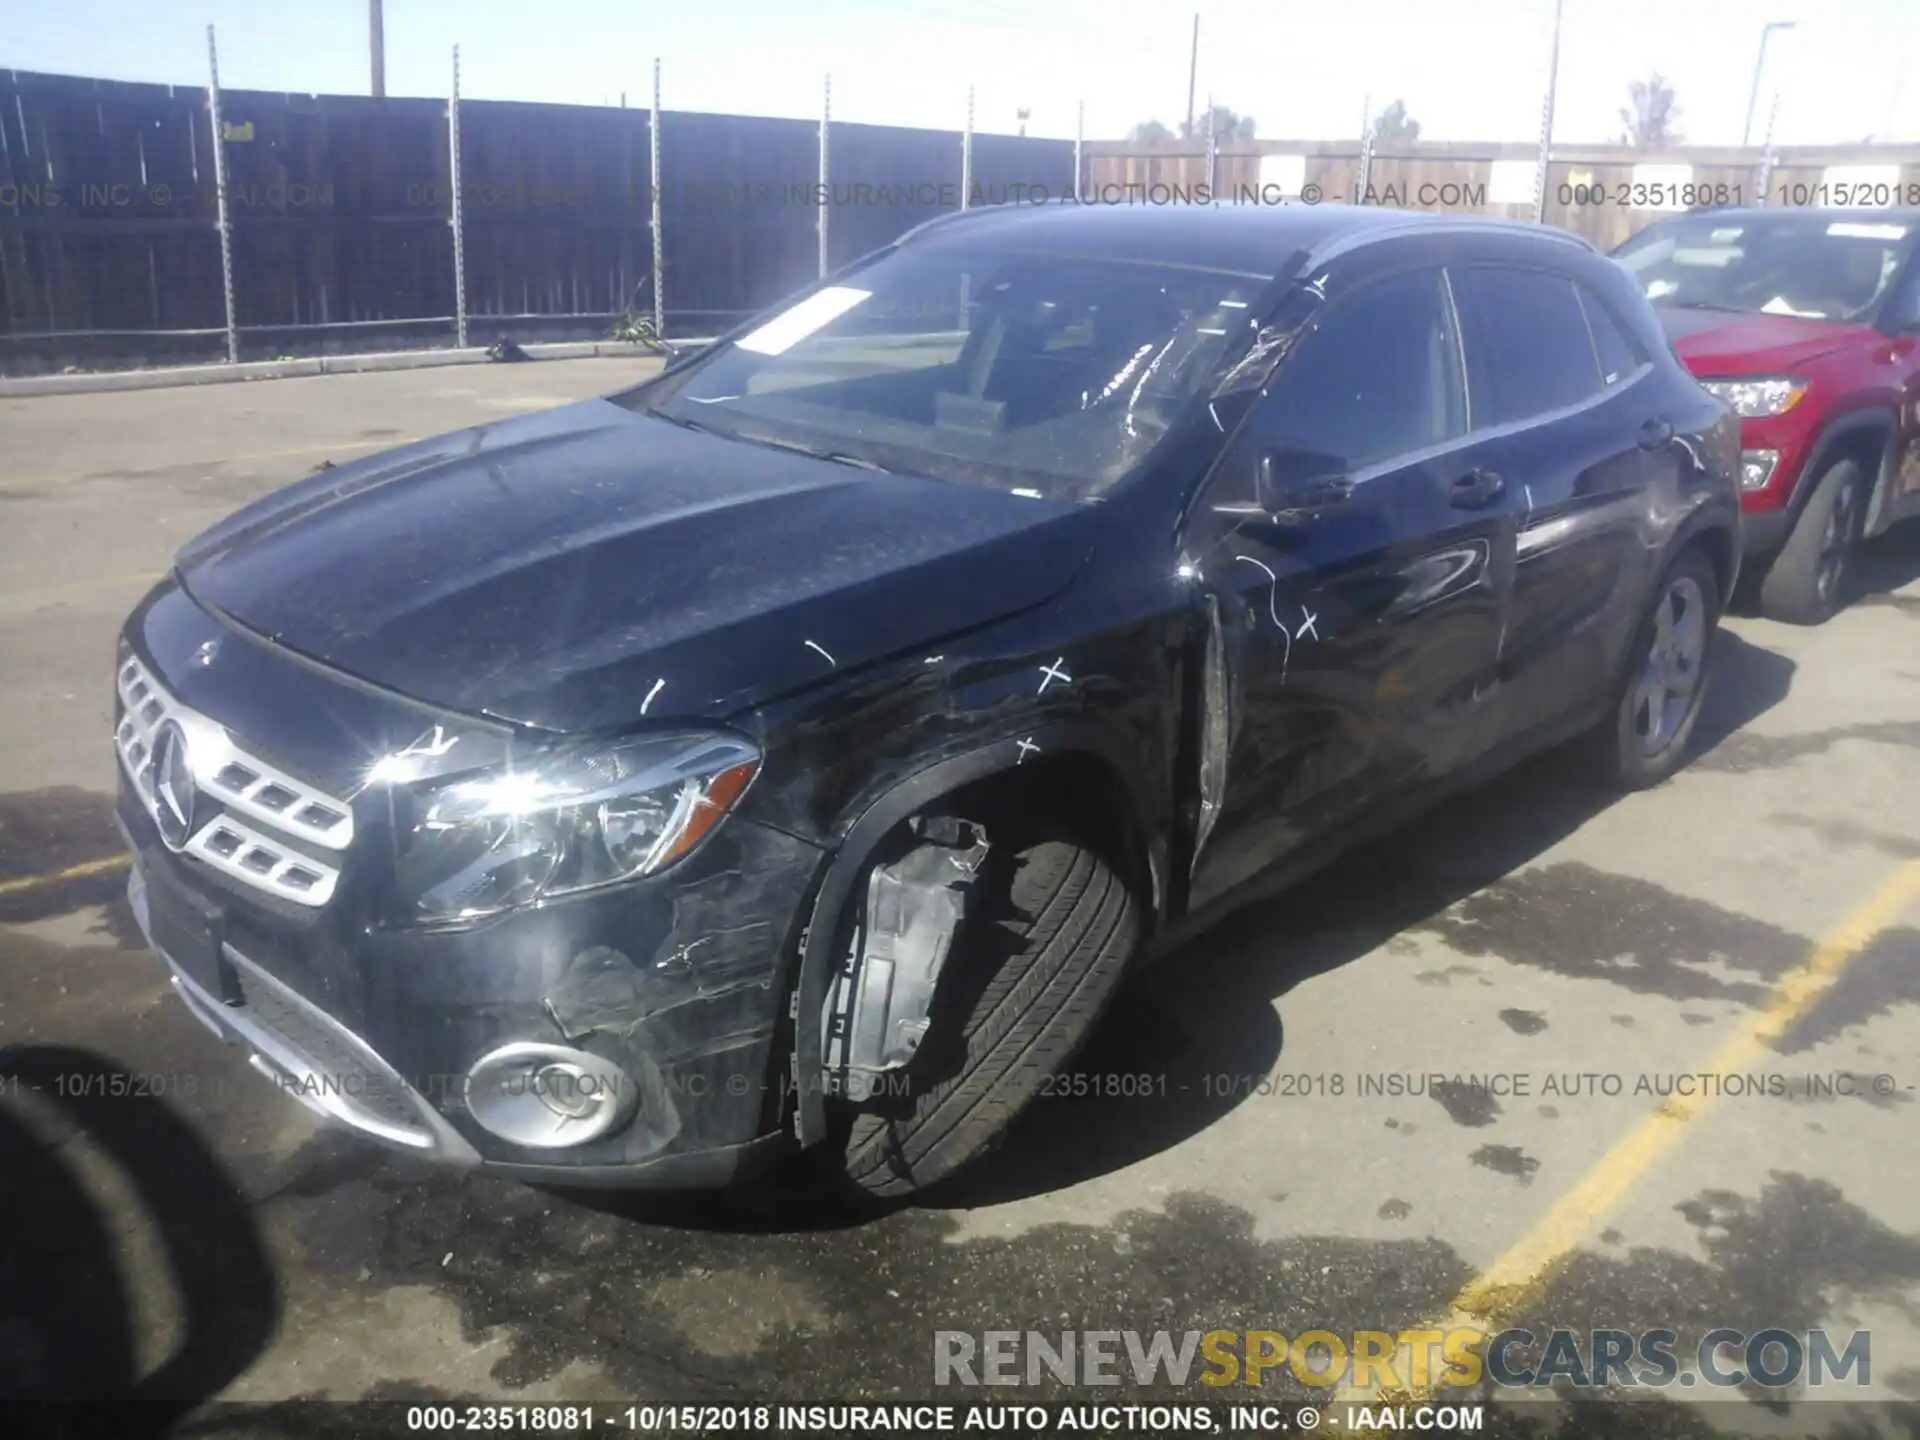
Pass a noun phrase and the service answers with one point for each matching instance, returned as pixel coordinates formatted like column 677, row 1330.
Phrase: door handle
column 1655, row 433
column 1475, row 489
column 1309, row 502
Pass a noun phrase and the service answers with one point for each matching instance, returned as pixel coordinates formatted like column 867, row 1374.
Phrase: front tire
column 1030, row 971
column 1645, row 740
column 1805, row 584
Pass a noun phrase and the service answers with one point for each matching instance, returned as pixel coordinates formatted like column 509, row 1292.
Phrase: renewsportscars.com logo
column 1381, row 1360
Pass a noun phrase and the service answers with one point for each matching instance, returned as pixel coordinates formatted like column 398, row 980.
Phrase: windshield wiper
column 682, row 422
column 838, row 457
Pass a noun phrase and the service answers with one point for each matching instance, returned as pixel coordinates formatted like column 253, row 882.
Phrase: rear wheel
column 1645, row 739
column 1806, row 583
column 1029, row 972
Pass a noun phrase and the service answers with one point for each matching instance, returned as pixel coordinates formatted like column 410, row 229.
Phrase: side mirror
column 1297, row 485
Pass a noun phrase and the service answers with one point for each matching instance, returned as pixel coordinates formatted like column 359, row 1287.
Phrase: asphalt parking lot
column 1758, row 916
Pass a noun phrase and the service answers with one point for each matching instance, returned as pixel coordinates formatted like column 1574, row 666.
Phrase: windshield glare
column 1044, row 375
column 1817, row 266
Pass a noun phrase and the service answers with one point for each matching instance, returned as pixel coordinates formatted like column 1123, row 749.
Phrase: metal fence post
column 966, row 156
column 1766, row 149
column 455, row 208
column 1213, row 147
column 653, row 176
column 826, row 119
column 222, row 218
column 1546, row 122
column 1362, row 179
column 1079, row 148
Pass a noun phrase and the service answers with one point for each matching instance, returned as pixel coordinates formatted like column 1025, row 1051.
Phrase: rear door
column 1358, row 592
column 1571, row 407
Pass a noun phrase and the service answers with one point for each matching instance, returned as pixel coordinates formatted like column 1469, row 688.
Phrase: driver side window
column 1379, row 377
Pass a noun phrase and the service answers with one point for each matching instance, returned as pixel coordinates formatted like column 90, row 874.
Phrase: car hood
column 581, row 567
column 1727, row 342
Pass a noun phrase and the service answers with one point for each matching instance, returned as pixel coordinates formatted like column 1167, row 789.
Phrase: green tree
column 1149, row 132
column 1226, row 126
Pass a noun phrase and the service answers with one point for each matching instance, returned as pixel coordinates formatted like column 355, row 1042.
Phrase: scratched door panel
column 1563, row 390
column 1361, row 622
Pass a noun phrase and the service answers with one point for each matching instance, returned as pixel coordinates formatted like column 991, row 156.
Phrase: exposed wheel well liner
column 1095, row 804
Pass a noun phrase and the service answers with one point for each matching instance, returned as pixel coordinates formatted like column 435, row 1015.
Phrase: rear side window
column 1619, row 353
column 1529, row 350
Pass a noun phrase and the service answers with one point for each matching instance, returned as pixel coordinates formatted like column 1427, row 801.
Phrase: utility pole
column 1193, row 71
column 377, row 45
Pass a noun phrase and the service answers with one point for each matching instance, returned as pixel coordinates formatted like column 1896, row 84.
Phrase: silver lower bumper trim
column 320, row 1086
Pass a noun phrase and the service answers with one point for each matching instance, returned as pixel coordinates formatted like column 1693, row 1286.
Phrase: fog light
column 548, row 1097
column 1756, row 468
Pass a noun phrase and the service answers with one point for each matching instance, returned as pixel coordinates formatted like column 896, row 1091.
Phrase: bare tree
column 1650, row 115
column 1394, row 125
column 1149, row 132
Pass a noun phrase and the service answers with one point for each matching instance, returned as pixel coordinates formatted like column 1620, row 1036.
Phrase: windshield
column 1044, row 375
column 1812, row 265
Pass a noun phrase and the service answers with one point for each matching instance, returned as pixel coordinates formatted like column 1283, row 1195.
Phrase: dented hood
column 577, row 568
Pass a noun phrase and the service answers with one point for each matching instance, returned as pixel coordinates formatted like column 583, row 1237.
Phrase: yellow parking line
column 72, row 872
column 1518, row 1275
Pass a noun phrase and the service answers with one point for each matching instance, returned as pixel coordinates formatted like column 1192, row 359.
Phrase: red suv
column 1806, row 322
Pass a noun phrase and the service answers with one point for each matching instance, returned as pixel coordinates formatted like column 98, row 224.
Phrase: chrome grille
column 242, row 783
column 244, row 853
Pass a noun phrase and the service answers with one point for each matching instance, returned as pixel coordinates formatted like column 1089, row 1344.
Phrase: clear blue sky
column 1468, row 69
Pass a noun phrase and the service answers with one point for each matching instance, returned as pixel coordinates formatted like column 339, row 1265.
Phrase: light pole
column 1759, row 66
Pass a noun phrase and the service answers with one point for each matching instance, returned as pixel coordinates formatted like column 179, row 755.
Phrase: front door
column 1355, row 553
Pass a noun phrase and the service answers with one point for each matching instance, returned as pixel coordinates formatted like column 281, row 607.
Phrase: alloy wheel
column 1669, row 679
column 1836, row 540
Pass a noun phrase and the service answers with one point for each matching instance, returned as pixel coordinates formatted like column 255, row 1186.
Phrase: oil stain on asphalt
column 1524, row 1022
column 1506, row 1160
column 1747, row 751
column 1583, row 923
column 662, row 1292
column 1465, row 1103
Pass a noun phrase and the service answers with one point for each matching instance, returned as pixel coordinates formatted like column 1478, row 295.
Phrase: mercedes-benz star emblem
column 173, row 786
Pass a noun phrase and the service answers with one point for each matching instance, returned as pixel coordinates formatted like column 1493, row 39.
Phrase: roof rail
column 1345, row 241
column 950, row 218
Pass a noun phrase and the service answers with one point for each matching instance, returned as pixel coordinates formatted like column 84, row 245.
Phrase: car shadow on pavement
column 70, row 1329
column 1192, row 1037
column 1878, row 571
column 1886, row 566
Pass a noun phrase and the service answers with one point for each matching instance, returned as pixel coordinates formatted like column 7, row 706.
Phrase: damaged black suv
column 797, row 749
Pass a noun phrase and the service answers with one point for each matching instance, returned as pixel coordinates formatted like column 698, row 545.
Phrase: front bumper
column 677, row 980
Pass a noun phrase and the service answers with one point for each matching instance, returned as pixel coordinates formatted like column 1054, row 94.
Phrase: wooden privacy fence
column 1602, row 192
column 357, row 223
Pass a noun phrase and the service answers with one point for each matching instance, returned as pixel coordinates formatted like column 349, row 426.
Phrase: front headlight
column 574, row 821
column 1757, row 399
